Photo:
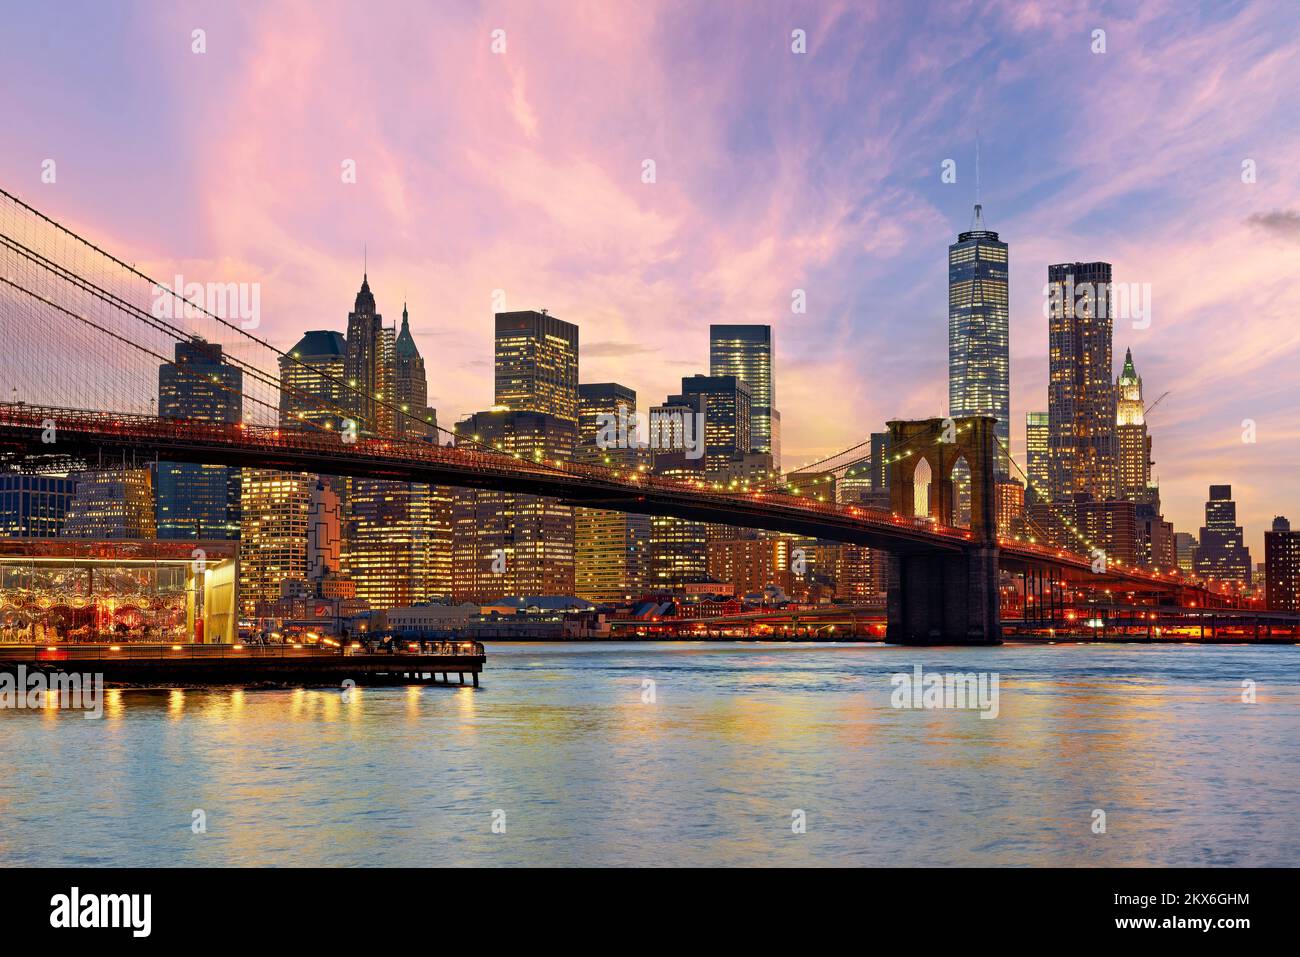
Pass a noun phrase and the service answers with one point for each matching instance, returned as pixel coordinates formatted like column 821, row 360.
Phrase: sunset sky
column 775, row 171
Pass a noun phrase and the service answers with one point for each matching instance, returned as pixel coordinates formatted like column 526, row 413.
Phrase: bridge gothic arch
column 941, row 444
column 936, row 596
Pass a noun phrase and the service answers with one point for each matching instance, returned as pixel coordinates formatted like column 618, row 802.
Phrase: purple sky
column 521, row 171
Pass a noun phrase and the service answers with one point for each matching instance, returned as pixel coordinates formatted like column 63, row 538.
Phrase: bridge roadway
column 94, row 436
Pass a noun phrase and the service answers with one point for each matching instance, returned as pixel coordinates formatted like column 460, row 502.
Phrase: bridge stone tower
column 945, row 597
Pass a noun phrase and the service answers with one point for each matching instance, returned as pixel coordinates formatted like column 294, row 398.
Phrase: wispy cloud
column 522, row 172
column 1282, row 223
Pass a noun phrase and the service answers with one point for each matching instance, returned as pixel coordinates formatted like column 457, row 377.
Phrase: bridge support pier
column 944, row 598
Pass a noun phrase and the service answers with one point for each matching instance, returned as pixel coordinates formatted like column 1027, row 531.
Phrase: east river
column 684, row 754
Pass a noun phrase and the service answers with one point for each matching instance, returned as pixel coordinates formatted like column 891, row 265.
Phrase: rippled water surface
column 738, row 738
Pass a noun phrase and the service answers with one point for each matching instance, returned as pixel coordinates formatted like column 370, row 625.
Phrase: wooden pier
column 435, row 662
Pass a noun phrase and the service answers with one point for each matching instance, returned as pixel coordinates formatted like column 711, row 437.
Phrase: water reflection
column 708, row 770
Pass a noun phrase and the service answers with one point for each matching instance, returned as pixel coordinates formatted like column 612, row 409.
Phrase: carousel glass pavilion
column 85, row 591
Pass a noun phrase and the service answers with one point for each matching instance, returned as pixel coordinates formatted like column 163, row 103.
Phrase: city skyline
column 561, row 219
column 655, row 434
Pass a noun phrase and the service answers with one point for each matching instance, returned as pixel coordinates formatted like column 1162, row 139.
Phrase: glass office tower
column 979, row 365
column 196, row 500
column 1081, row 399
column 746, row 352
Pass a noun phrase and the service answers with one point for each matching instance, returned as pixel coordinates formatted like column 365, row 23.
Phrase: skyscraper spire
column 405, row 345
column 365, row 302
column 977, row 222
column 979, row 378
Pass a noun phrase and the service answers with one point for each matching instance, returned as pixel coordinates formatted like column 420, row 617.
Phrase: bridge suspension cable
column 50, row 267
column 906, row 448
column 1068, row 523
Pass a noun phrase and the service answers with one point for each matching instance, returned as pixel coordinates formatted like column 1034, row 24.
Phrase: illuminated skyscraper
column 1156, row 548
column 1009, row 494
column 508, row 543
column 1134, row 444
column 746, row 352
column 440, row 580
column 860, row 575
column 1185, row 545
column 1037, row 468
column 1155, row 539
column 276, row 510
column 368, row 365
column 727, row 407
column 399, row 536
column 678, row 547
column 536, row 415
column 400, row 541
column 1282, row 566
column 111, row 504
column 610, row 548
column 195, row 500
column 411, row 387
column 979, row 366
column 199, row 385
column 726, row 403
column 1110, row 526
column 324, row 532
column 750, row 563
column 596, row 402
column 1081, row 393
column 536, row 364
column 34, row 506
column 313, row 397
column 312, row 379
column 1222, row 555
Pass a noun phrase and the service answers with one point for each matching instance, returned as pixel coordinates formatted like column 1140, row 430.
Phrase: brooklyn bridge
column 83, row 338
